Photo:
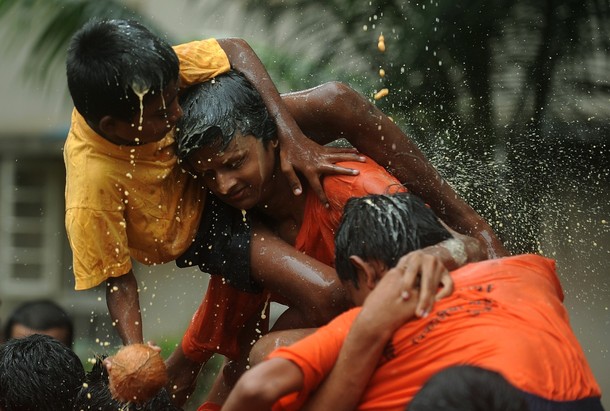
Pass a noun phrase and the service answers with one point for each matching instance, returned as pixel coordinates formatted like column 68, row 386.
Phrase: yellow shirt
column 132, row 201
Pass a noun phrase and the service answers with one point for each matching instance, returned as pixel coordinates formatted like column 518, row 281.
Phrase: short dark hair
column 215, row 110
column 107, row 59
column 468, row 388
column 38, row 373
column 384, row 228
column 95, row 395
column 40, row 315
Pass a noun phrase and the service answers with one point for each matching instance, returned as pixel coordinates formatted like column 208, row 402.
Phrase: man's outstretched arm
column 334, row 110
column 260, row 387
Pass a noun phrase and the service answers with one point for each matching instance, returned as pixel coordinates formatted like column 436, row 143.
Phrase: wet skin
column 245, row 176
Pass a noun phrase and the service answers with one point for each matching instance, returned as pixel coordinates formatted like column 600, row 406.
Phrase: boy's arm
column 261, row 386
column 385, row 309
column 334, row 111
column 297, row 151
column 279, row 266
column 123, row 301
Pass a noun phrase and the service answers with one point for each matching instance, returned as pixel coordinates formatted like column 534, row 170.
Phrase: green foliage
column 54, row 22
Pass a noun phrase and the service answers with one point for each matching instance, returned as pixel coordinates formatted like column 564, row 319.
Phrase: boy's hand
column 429, row 274
column 415, row 279
column 313, row 161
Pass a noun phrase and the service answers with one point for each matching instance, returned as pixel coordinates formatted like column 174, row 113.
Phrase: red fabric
column 224, row 310
column 219, row 320
column 316, row 236
column 505, row 315
column 209, row 406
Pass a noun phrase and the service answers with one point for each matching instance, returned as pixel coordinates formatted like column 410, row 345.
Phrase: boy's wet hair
column 214, row 111
column 108, row 59
column 40, row 315
column 468, row 388
column 384, row 228
column 38, row 373
column 95, row 395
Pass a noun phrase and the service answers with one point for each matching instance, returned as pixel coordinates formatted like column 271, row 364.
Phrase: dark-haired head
column 40, row 317
column 468, row 388
column 109, row 61
column 95, row 395
column 38, row 373
column 383, row 228
column 214, row 111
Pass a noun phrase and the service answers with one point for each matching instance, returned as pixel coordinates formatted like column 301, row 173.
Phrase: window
column 31, row 225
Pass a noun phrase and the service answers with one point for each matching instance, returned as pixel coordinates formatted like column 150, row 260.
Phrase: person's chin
column 242, row 205
column 241, row 201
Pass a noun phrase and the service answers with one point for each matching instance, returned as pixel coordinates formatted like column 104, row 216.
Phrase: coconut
column 137, row 373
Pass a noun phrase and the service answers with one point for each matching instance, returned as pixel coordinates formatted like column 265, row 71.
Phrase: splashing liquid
column 141, row 91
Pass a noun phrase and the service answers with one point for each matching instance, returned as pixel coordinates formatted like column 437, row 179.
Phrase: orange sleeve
column 219, row 320
column 201, row 61
column 315, row 355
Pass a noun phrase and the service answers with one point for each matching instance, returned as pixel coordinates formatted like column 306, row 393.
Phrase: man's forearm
column 123, row 301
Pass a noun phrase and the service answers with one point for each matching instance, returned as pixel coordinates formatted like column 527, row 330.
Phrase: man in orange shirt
column 505, row 315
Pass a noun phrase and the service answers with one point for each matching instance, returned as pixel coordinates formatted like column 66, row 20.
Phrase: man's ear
column 107, row 126
column 367, row 271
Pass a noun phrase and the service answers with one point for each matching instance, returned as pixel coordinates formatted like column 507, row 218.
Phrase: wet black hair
column 108, row 58
column 38, row 373
column 40, row 315
column 384, row 228
column 215, row 110
column 95, row 395
column 468, row 388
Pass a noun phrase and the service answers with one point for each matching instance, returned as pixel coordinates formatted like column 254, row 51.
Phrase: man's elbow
column 255, row 392
column 233, row 46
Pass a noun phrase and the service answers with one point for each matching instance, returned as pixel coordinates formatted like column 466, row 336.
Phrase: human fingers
column 331, row 168
column 390, row 304
column 336, row 155
column 291, row 175
column 447, row 287
column 431, row 271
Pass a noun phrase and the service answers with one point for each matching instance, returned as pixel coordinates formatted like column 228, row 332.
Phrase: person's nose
column 224, row 183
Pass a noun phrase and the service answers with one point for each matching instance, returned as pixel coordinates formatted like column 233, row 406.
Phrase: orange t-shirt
column 316, row 237
column 127, row 201
column 505, row 315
